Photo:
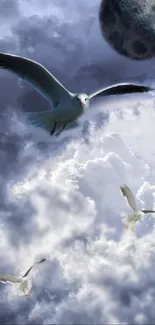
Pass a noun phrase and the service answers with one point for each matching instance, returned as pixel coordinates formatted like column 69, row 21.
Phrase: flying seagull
column 138, row 214
column 23, row 281
column 66, row 106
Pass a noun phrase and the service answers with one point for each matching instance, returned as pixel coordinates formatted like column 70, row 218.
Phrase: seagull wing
column 121, row 89
column 28, row 271
column 129, row 196
column 46, row 121
column 9, row 278
column 36, row 74
column 148, row 211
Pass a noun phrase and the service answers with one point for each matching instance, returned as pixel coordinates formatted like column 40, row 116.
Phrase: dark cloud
column 53, row 193
column 8, row 9
column 70, row 56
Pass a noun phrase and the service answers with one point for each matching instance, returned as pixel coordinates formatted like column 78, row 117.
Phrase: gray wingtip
column 122, row 189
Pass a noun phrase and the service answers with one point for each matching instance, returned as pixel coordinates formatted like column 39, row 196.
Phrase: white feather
column 9, row 278
column 129, row 196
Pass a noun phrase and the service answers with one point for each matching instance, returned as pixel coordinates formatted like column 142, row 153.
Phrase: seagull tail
column 131, row 227
column 43, row 119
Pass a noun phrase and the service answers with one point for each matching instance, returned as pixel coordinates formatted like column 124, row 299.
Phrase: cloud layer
column 68, row 207
column 61, row 198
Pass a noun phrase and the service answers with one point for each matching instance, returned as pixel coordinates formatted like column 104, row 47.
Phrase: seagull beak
column 30, row 291
column 27, row 294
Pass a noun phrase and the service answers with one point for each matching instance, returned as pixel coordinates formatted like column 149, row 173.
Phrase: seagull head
column 83, row 99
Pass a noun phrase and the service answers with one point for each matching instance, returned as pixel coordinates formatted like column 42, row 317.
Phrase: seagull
column 138, row 214
column 66, row 107
column 23, row 281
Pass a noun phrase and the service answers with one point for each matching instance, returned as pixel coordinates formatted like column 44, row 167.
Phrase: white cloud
column 98, row 272
column 61, row 198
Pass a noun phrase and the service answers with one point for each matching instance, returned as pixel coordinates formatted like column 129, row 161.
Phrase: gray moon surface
column 129, row 27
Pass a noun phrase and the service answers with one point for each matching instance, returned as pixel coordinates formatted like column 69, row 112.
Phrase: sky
column 60, row 198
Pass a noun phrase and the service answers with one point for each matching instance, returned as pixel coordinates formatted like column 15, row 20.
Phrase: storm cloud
column 60, row 198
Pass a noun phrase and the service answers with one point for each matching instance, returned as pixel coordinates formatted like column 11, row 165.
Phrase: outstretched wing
column 129, row 196
column 9, row 278
column 148, row 211
column 36, row 74
column 121, row 89
column 28, row 271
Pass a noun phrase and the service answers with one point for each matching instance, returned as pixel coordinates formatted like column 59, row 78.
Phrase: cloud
column 61, row 198
column 64, row 40
column 68, row 207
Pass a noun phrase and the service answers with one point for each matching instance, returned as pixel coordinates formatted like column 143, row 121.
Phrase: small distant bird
column 67, row 107
column 138, row 214
column 23, row 281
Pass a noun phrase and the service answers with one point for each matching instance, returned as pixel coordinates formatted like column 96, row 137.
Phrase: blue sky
column 60, row 198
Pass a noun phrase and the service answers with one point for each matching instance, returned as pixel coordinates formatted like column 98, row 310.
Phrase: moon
column 129, row 27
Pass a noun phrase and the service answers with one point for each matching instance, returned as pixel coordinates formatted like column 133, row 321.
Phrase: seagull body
column 23, row 281
column 138, row 214
column 67, row 107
